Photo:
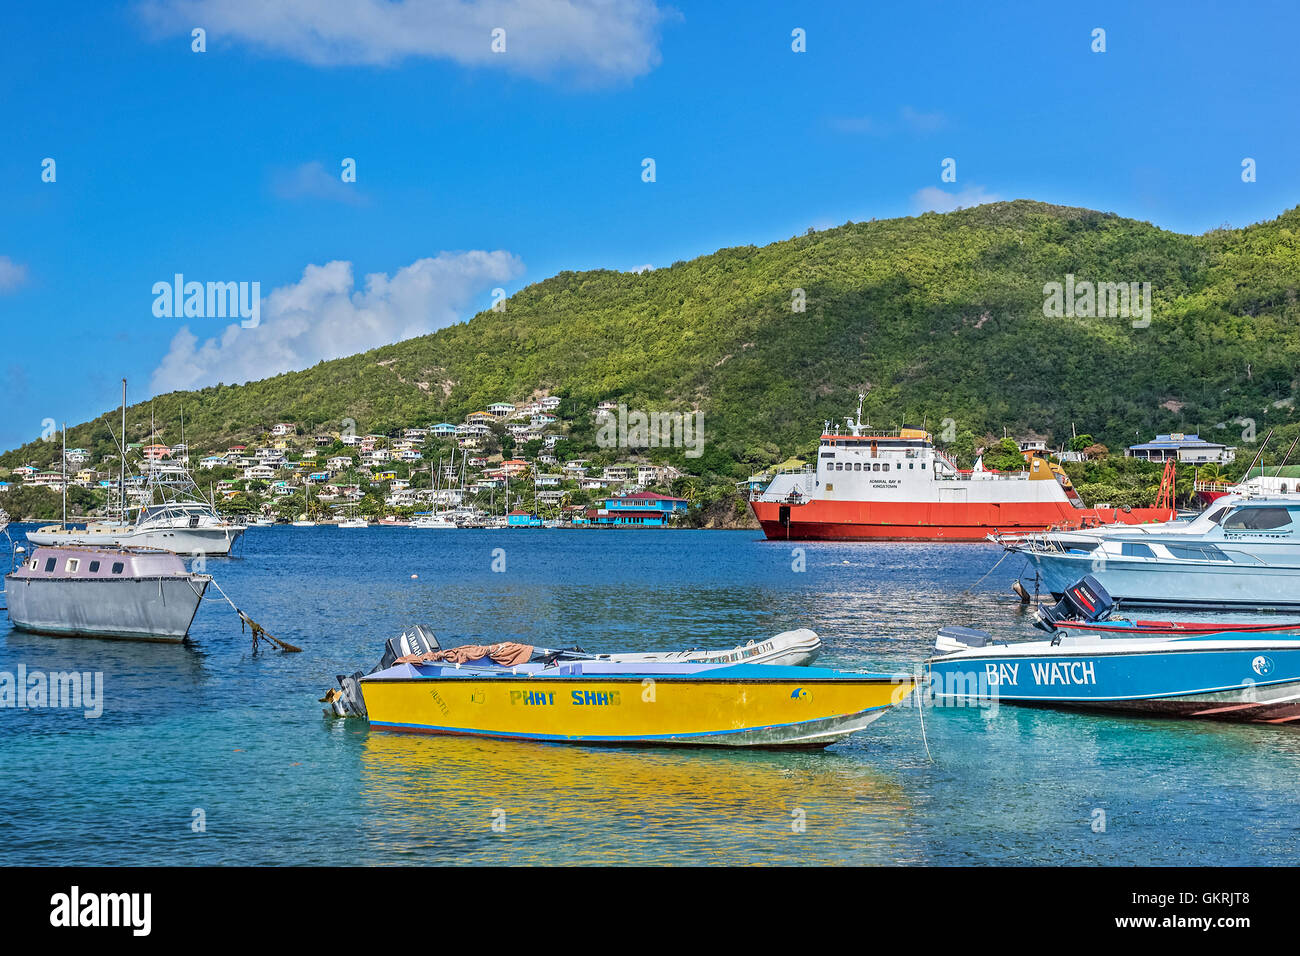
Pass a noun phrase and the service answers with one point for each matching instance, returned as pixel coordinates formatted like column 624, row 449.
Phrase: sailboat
column 435, row 519
column 354, row 520
column 304, row 520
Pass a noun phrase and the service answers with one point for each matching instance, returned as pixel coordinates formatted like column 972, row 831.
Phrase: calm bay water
column 242, row 738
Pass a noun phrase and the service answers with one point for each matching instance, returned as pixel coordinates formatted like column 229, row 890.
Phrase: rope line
column 259, row 632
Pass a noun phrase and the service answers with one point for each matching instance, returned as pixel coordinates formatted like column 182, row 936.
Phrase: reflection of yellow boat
column 473, row 801
column 737, row 705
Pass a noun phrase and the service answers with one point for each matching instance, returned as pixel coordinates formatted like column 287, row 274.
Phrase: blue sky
column 478, row 170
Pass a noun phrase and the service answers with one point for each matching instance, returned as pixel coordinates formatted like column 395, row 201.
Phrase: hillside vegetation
column 936, row 317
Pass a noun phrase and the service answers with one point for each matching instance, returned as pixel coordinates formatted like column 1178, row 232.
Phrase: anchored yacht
column 1241, row 552
column 174, row 516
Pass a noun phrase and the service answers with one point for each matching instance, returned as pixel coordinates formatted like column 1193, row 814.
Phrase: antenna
column 1259, row 454
column 1288, row 455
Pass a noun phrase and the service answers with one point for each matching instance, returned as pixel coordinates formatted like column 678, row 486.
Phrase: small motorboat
column 1087, row 606
column 1243, row 676
column 714, row 698
column 605, row 702
column 135, row 594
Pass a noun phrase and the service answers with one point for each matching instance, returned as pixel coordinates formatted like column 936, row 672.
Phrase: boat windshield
column 1258, row 519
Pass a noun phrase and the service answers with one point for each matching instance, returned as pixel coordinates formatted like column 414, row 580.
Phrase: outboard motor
column 348, row 701
column 416, row 639
column 1085, row 601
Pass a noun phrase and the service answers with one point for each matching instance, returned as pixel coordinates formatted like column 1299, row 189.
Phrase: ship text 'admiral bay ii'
column 896, row 486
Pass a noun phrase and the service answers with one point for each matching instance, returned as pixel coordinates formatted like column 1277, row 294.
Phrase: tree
column 1004, row 456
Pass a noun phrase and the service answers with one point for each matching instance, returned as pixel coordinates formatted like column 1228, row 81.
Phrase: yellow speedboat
column 613, row 702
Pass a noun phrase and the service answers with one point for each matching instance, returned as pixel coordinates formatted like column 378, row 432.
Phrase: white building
column 1185, row 448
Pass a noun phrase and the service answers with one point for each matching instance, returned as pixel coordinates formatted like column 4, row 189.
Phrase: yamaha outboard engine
column 348, row 701
column 1085, row 601
column 416, row 639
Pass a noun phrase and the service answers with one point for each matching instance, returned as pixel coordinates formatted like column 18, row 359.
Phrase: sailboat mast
column 65, row 475
column 121, row 484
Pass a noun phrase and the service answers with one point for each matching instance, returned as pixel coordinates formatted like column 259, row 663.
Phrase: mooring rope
column 919, row 697
column 259, row 632
column 987, row 573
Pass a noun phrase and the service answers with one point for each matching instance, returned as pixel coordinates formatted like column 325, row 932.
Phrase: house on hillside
column 1183, row 448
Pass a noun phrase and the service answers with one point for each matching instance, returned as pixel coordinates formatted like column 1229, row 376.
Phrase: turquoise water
column 211, row 728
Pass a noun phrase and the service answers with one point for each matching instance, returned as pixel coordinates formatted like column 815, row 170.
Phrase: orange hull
column 931, row 521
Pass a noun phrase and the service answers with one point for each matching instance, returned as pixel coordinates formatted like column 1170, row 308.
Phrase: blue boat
column 1226, row 676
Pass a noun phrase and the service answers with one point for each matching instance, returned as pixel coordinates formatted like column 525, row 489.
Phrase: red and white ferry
column 896, row 486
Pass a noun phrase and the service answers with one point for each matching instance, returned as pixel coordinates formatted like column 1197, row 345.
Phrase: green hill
column 941, row 316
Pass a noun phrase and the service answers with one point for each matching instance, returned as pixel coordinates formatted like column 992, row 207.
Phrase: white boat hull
column 215, row 542
column 1182, row 584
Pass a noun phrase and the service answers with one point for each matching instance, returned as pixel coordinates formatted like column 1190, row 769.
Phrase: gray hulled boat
column 101, row 592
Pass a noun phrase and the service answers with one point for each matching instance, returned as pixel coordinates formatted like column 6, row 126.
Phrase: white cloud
column 12, row 274
column 313, row 181
column 598, row 39
column 932, row 198
column 923, row 122
column 909, row 121
column 323, row 316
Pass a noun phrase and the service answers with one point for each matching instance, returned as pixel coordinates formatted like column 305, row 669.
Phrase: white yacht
column 174, row 516
column 1241, row 552
column 433, row 520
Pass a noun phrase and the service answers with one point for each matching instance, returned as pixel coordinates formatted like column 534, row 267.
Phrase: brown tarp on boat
column 505, row 654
